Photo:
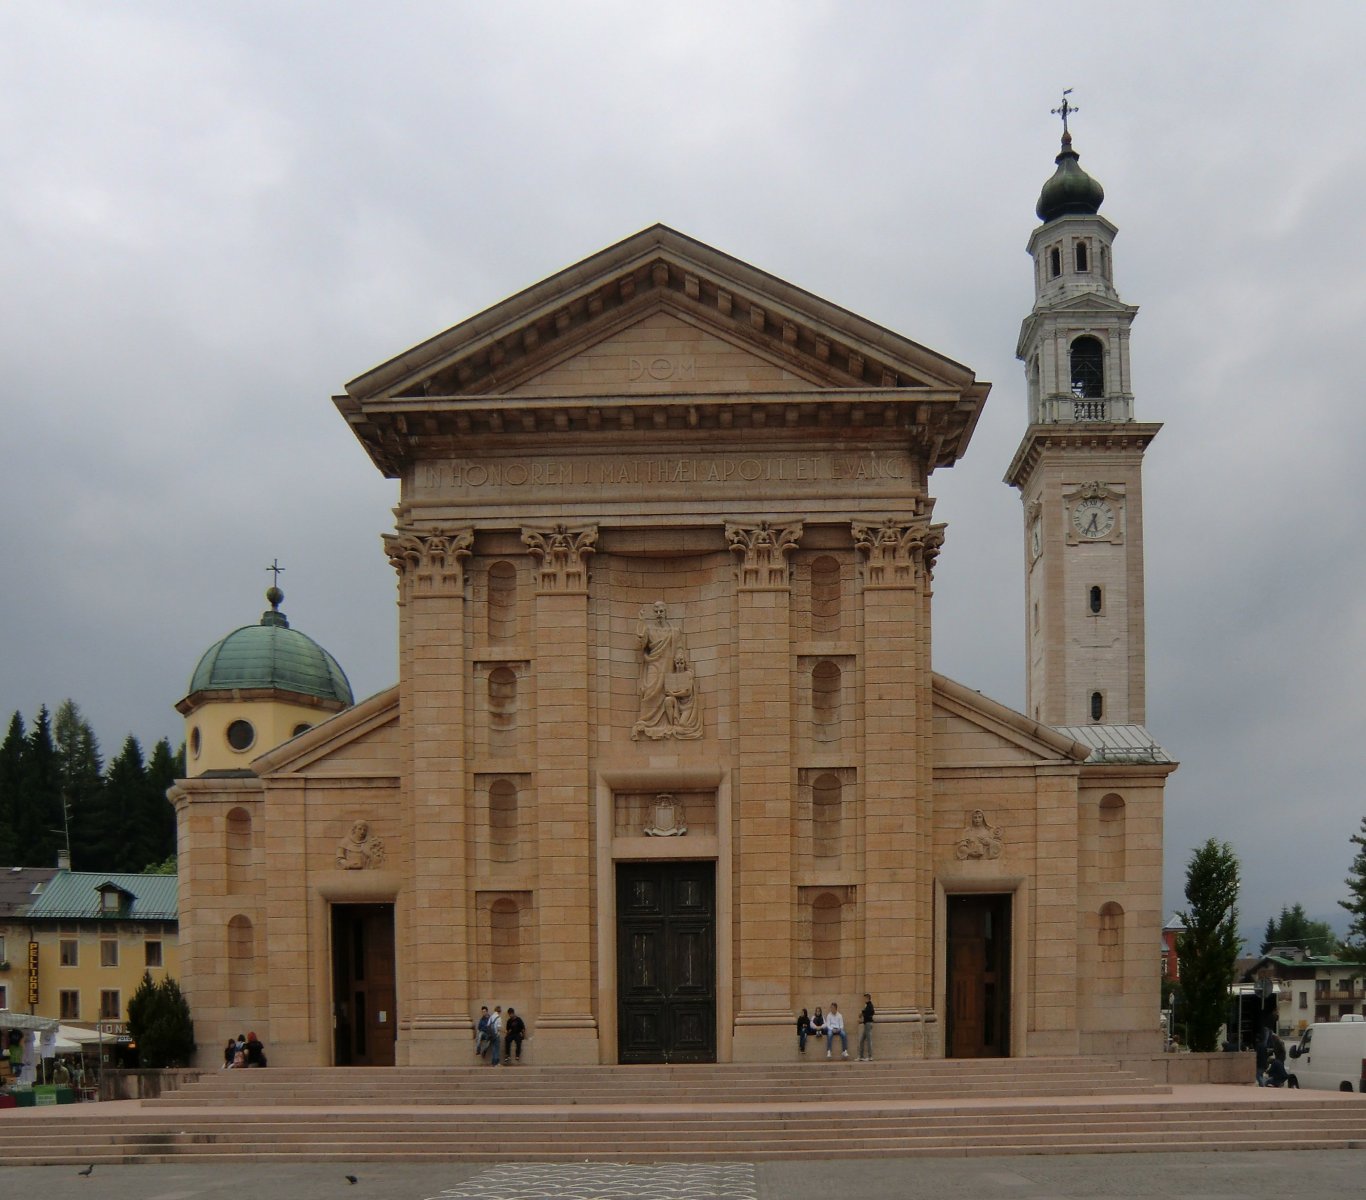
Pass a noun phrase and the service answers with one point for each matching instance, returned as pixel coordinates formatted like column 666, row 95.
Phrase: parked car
column 1332, row 1055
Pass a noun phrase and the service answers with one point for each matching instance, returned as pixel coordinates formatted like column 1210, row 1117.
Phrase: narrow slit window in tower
column 1097, row 706
column 1096, row 599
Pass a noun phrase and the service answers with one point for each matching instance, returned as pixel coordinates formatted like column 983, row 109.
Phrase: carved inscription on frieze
column 894, row 471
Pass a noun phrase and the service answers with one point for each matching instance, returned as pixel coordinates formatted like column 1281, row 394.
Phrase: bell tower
column 1079, row 466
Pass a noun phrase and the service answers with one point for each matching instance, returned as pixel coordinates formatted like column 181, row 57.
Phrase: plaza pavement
column 1273, row 1175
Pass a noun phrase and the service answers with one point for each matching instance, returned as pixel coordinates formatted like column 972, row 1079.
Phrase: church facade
column 667, row 761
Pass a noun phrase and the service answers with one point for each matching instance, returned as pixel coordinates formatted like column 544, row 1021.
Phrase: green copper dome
column 271, row 655
column 1071, row 190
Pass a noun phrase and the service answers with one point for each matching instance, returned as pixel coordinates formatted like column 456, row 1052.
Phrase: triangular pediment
column 497, row 350
column 359, row 742
column 661, row 353
column 971, row 730
column 737, row 348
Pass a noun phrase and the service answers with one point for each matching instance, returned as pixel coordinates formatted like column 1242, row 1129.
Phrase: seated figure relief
column 669, row 704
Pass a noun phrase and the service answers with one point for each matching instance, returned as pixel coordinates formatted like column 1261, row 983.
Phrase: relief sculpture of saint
column 669, row 704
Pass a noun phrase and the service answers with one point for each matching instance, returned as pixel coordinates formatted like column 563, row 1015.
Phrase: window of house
column 69, row 952
column 4, row 998
column 1304, row 999
column 152, row 954
column 110, row 901
column 3, row 957
column 1320, row 987
column 69, row 1004
column 110, row 1008
column 1095, row 599
column 109, row 953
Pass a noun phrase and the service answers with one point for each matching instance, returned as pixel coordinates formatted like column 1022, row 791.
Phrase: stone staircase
column 819, row 1081
column 696, row 1113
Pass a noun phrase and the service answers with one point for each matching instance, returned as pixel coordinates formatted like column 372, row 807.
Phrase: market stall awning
column 18, row 1020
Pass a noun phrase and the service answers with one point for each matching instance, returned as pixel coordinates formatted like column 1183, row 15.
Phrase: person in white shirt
column 495, row 1031
column 834, row 1028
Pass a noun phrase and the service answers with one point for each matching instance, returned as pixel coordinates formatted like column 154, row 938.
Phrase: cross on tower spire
column 1065, row 110
column 275, row 568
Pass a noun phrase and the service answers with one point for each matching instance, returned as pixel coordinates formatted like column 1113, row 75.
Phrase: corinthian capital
column 562, row 554
column 898, row 553
column 430, row 562
column 763, row 550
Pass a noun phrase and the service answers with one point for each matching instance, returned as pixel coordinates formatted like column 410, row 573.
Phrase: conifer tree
column 80, row 770
column 1294, row 928
column 1207, row 947
column 12, row 752
column 38, row 813
column 120, row 836
column 163, row 769
column 1354, row 946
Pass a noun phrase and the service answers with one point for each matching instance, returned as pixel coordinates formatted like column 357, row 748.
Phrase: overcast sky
column 217, row 214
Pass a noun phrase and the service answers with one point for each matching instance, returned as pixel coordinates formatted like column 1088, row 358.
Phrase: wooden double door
column 978, row 977
column 363, row 990
column 666, row 962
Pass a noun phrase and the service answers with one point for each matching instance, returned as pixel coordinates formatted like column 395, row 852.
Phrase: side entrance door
column 978, row 977
column 363, row 992
column 666, row 962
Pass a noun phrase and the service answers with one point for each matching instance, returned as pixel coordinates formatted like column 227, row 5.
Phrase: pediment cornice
column 457, row 384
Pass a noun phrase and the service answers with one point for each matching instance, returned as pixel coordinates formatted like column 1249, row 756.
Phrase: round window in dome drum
column 241, row 735
column 298, row 729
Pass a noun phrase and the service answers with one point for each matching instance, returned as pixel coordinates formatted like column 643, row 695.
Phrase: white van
column 1331, row 1055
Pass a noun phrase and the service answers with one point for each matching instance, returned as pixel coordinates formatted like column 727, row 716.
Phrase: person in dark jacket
column 865, row 1026
column 803, row 1031
column 254, row 1052
column 516, row 1031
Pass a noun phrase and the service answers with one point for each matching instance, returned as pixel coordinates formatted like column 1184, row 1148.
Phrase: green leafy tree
column 1294, row 928
column 80, row 771
column 1355, row 945
column 1207, row 948
column 159, row 1023
column 167, row 866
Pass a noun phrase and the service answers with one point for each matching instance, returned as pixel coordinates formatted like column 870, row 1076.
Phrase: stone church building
column 667, row 760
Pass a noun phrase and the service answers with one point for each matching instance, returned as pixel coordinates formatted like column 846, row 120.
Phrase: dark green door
column 666, row 962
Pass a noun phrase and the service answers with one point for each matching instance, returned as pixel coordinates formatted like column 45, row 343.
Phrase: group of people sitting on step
column 490, row 1034
column 244, row 1051
column 829, row 1026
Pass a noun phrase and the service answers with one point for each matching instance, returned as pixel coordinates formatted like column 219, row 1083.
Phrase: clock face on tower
column 1093, row 517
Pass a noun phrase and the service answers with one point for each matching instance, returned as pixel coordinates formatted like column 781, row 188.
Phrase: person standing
column 865, row 1032
column 496, row 1033
column 803, row 1031
column 516, row 1031
column 481, row 1032
column 834, row 1028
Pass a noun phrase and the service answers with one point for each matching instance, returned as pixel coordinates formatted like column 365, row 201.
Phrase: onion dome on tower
column 1070, row 191
column 255, row 688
